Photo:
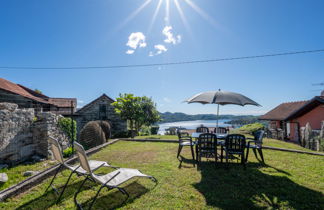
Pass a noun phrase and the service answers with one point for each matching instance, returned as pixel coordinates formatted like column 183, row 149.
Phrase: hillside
column 179, row 116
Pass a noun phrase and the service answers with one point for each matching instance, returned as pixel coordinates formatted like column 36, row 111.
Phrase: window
column 102, row 111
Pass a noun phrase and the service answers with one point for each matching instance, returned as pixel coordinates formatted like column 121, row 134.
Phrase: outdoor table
column 219, row 135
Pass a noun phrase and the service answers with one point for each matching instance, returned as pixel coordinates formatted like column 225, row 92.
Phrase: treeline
column 244, row 120
column 233, row 119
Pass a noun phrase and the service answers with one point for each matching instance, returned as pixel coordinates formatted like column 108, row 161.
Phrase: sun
column 167, row 4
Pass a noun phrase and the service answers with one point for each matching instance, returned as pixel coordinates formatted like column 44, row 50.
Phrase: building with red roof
column 27, row 98
column 290, row 117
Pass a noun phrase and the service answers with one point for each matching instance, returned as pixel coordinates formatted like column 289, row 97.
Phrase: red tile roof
column 20, row 90
column 31, row 94
column 283, row 111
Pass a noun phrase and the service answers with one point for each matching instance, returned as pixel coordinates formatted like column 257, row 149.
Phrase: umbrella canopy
column 221, row 98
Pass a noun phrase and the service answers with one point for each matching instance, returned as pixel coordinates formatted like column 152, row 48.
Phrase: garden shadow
column 186, row 162
column 115, row 199
column 108, row 200
column 235, row 187
column 49, row 198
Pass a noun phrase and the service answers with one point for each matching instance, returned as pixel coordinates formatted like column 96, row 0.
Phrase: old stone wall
column 312, row 139
column 24, row 133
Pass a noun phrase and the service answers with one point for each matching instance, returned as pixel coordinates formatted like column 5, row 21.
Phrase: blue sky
column 96, row 33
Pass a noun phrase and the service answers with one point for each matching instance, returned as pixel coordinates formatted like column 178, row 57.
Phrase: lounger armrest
column 112, row 179
column 99, row 166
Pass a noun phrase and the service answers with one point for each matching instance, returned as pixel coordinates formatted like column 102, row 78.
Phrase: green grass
column 169, row 137
column 267, row 141
column 286, row 181
column 15, row 173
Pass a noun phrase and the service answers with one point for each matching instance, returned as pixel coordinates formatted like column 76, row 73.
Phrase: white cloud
column 129, row 52
column 135, row 40
column 80, row 101
column 159, row 48
column 170, row 38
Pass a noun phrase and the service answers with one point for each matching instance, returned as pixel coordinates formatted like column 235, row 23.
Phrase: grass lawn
column 286, row 181
column 15, row 173
column 266, row 141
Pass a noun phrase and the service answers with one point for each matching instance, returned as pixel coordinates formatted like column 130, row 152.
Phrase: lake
column 192, row 124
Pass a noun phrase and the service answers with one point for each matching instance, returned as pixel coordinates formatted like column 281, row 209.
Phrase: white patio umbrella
column 221, row 98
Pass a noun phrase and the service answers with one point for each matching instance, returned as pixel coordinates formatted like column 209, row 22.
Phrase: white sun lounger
column 57, row 153
column 110, row 181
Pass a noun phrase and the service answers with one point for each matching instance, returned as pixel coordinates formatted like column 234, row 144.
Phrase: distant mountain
column 233, row 119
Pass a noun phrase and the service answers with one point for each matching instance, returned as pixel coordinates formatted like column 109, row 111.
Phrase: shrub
column 145, row 131
column 65, row 123
column 121, row 134
column 68, row 152
column 250, row 128
column 92, row 135
column 154, row 130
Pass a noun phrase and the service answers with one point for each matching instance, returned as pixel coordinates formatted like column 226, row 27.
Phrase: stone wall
column 24, row 133
column 312, row 139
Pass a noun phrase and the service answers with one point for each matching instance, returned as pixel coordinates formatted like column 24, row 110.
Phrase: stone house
column 100, row 109
column 289, row 117
column 27, row 98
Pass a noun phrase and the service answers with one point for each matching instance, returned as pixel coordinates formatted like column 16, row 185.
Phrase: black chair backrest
column 207, row 142
column 258, row 136
column 202, row 129
column 235, row 143
column 221, row 130
column 184, row 136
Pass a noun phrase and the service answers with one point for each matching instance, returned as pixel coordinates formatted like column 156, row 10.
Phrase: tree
column 138, row 111
column 38, row 91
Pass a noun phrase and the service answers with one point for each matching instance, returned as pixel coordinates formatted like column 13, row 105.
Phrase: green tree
column 138, row 111
column 38, row 91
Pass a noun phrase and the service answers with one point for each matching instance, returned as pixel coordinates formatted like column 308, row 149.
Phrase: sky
column 80, row 33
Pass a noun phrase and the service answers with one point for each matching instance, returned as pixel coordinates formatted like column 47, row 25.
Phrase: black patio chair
column 234, row 145
column 221, row 130
column 206, row 146
column 256, row 144
column 185, row 140
column 202, row 129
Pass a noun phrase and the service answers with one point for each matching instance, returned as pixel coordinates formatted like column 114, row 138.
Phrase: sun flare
column 167, row 4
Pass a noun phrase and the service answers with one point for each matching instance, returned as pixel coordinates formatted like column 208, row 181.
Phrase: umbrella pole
column 217, row 118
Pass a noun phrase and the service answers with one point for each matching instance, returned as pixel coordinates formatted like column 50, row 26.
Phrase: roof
column 63, row 102
column 283, row 111
column 103, row 96
column 311, row 104
column 33, row 95
column 21, row 90
column 291, row 110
